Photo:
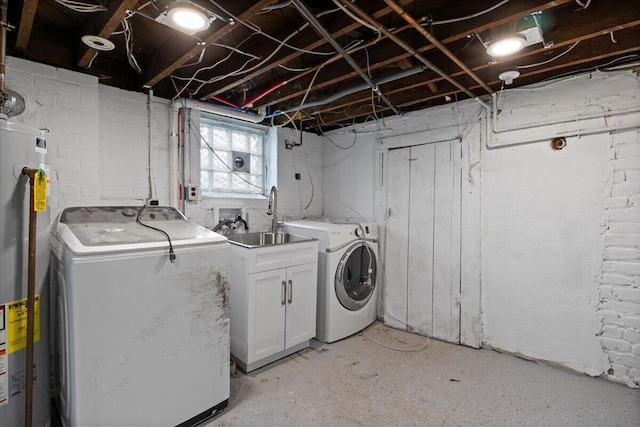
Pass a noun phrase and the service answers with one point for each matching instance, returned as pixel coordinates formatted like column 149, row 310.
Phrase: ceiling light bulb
column 189, row 18
column 506, row 46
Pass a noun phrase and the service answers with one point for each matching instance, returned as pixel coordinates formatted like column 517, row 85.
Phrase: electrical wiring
column 583, row 5
column 92, row 58
column 304, row 98
column 276, row 6
column 355, row 139
column 368, row 338
column 128, row 35
column 172, row 255
column 294, row 70
column 464, row 18
column 234, row 49
column 549, row 60
column 306, row 162
column 258, row 30
column 193, row 77
column 360, row 21
column 81, row 7
column 241, row 70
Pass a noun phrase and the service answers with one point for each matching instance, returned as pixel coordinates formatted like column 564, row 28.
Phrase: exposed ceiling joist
column 345, row 28
column 275, row 62
column 103, row 25
column 29, row 8
column 161, row 66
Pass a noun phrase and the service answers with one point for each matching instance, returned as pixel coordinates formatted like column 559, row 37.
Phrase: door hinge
column 458, row 299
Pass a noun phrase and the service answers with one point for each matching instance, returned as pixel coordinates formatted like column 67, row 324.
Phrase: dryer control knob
column 358, row 232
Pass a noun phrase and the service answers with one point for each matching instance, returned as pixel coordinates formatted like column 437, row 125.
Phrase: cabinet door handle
column 283, row 294
column 290, row 291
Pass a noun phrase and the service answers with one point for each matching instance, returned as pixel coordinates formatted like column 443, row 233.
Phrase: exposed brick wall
column 619, row 290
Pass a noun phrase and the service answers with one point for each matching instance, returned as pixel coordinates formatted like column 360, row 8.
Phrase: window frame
column 235, row 125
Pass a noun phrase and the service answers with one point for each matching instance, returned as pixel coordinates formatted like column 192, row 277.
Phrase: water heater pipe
column 3, row 50
column 31, row 291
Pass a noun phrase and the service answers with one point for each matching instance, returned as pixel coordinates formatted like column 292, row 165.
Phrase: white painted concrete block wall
column 98, row 136
column 619, row 291
column 554, row 278
column 128, row 137
column 67, row 104
column 293, row 195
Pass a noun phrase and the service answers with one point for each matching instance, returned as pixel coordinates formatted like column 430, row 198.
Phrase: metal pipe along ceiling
column 400, row 11
column 403, row 45
column 400, row 75
column 323, row 31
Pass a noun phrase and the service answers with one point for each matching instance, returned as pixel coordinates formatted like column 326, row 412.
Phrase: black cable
column 172, row 256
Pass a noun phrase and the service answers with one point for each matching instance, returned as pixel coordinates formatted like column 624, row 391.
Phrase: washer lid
column 107, row 229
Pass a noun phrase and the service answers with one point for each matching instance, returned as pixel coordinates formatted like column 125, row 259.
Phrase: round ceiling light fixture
column 98, row 43
column 509, row 76
column 506, row 46
column 186, row 16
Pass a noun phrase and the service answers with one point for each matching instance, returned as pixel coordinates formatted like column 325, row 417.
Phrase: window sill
column 232, row 196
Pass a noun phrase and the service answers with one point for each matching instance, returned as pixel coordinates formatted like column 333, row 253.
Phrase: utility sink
column 265, row 238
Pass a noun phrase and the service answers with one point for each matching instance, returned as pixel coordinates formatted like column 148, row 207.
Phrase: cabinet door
column 301, row 303
column 266, row 313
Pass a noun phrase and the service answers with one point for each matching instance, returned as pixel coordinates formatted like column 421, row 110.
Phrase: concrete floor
column 357, row 382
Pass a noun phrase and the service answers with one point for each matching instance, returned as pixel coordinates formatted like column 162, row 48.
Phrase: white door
column 266, row 313
column 301, row 303
column 422, row 254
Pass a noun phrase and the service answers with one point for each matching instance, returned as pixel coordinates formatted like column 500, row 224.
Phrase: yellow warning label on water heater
column 40, row 192
column 17, row 323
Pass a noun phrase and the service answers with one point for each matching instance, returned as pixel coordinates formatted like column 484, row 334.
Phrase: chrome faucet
column 273, row 209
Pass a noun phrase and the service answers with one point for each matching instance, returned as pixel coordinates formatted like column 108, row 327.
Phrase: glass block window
column 218, row 143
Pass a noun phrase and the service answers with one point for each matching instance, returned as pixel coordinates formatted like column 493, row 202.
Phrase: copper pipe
column 3, row 49
column 31, row 291
column 403, row 45
column 400, row 11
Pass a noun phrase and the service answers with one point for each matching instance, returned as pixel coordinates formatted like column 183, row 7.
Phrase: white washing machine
column 143, row 336
column 347, row 273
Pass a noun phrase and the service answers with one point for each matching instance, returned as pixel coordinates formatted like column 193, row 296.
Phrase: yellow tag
column 40, row 192
column 17, row 323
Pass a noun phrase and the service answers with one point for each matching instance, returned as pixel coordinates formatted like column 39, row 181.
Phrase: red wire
column 262, row 95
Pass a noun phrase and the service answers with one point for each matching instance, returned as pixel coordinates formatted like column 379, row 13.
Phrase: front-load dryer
column 347, row 274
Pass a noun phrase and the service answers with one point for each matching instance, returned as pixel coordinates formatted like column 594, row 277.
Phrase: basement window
column 233, row 161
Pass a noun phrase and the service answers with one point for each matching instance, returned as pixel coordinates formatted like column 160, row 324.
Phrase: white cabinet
column 273, row 301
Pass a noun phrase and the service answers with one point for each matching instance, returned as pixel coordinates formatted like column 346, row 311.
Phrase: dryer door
column 356, row 276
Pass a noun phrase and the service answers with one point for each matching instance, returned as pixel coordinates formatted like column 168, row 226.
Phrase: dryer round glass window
column 356, row 276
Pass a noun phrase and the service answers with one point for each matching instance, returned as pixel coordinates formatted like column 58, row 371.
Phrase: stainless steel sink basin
column 264, row 238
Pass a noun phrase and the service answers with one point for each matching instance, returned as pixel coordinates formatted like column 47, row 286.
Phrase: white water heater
column 22, row 146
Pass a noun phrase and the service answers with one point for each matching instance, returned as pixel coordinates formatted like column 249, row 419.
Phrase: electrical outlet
column 192, row 192
column 298, row 176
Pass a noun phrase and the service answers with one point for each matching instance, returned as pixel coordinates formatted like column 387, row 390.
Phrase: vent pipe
column 11, row 103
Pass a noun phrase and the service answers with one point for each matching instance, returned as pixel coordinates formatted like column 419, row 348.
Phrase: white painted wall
column 560, row 257
column 104, row 141
column 560, row 230
column 541, row 247
column 296, row 198
column 98, row 139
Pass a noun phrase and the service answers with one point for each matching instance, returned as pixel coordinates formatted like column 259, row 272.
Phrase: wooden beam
column 284, row 58
column 459, row 31
column 157, row 71
column 103, row 25
column 631, row 44
column 26, row 24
